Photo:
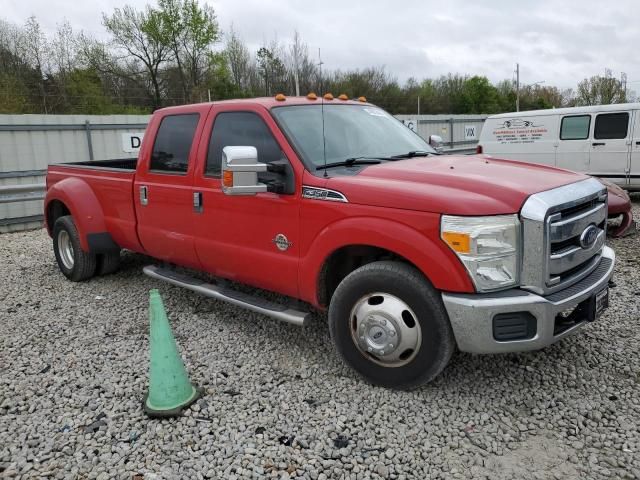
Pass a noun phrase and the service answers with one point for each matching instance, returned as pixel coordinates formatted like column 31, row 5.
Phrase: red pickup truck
column 337, row 205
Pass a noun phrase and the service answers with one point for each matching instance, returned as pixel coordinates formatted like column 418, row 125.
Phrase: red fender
column 83, row 204
column 434, row 259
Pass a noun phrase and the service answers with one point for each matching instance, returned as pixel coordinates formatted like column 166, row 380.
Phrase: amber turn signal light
column 343, row 96
column 227, row 178
column 328, row 96
column 312, row 96
column 280, row 97
column 362, row 99
column 459, row 242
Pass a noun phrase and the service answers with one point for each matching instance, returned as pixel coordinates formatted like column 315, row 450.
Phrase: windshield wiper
column 412, row 153
column 351, row 161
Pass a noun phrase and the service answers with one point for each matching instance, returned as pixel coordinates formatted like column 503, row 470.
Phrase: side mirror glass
column 435, row 141
column 240, row 169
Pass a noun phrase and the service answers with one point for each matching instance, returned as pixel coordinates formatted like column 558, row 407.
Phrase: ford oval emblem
column 589, row 236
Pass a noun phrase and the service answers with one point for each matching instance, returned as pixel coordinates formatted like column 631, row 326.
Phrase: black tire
column 83, row 264
column 107, row 263
column 410, row 286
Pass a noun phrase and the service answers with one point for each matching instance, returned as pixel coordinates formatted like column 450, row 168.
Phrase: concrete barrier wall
column 28, row 143
column 457, row 131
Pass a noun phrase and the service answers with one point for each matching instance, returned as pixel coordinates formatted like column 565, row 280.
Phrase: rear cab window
column 611, row 126
column 575, row 127
column 173, row 142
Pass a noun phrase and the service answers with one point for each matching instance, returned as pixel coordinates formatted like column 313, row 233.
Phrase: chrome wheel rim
column 385, row 329
column 65, row 249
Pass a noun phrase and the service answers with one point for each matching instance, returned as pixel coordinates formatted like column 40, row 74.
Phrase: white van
column 603, row 140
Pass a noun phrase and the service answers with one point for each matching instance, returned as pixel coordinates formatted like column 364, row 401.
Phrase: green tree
column 14, row 96
column 271, row 69
column 599, row 90
column 190, row 33
column 479, row 96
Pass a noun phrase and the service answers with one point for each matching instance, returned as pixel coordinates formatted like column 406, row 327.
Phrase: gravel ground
column 278, row 402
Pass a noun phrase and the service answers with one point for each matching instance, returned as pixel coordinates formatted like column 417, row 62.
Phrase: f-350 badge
column 282, row 242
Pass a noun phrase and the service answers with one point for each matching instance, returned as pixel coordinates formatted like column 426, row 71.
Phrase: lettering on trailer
column 411, row 124
column 518, row 130
column 470, row 132
column 131, row 142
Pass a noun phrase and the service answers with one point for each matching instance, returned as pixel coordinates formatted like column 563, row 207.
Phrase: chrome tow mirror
column 435, row 141
column 240, row 169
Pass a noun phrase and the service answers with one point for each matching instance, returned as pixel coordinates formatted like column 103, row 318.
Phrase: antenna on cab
column 324, row 143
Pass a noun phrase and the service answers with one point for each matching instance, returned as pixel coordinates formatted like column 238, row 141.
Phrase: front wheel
column 389, row 324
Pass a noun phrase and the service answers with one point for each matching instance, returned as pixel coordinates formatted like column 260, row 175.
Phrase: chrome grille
column 568, row 260
column 554, row 221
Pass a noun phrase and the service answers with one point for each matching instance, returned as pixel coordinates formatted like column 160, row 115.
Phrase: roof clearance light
column 362, row 99
column 312, row 96
column 280, row 97
column 328, row 96
column 343, row 96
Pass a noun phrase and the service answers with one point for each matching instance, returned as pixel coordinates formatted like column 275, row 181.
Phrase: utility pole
column 418, row 105
column 517, row 87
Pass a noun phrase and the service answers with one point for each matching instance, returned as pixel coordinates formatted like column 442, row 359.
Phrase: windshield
column 351, row 131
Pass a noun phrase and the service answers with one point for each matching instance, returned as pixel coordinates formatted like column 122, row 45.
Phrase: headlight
column 487, row 246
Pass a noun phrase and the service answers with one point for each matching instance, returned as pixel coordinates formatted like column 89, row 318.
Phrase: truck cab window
column 610, row 126
column 240, row 129
column 575, row 127
column 173, row 143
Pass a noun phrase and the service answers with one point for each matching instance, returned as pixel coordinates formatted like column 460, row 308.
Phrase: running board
column 256, row 304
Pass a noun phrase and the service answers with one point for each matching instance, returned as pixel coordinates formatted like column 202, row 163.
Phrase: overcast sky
column 558, row 42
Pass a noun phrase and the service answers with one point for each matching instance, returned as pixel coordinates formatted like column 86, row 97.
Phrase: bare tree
column 298, row 52
column 239, row 59
column 143, row 37
column 37, row 49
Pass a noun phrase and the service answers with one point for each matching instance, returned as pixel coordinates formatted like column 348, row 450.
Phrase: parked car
column 602, row 140
column 413, row 254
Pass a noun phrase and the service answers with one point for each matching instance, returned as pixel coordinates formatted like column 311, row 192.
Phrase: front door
column 162, row 189
column 253, row 239
column 610, row 147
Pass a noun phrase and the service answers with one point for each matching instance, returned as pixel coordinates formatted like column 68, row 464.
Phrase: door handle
column 197, row 202
column 595, row 144
column 144, row 195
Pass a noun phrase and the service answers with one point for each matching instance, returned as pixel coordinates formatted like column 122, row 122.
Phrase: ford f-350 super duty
column 336, row 204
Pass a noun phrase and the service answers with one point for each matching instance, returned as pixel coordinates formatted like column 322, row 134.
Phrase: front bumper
column 472, row 315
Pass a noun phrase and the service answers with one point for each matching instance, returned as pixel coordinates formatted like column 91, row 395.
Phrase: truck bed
column 109, row 185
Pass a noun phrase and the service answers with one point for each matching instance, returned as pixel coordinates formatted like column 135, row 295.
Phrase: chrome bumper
column 472, row 315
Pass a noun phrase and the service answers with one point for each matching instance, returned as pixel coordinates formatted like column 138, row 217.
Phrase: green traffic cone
column 170, row 390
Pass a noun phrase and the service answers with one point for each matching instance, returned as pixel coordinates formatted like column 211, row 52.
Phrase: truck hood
column 457, row 185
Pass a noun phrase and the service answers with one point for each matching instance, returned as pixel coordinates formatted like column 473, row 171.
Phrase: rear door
column 573, row 145
column 611, row 146
column 163, row 187
column 634, row 168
